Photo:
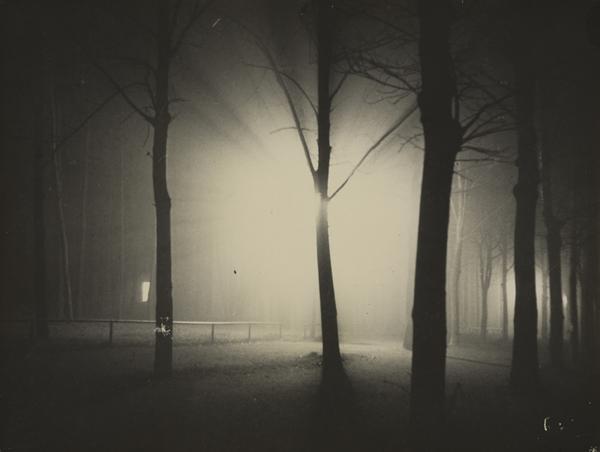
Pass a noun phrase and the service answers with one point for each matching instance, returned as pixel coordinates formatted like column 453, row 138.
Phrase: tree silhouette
column 442, row 137
column 173, row 23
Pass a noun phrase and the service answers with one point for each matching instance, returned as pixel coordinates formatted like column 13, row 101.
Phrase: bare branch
column 197, row 11
column 375, row 145
column 281, row 82
column 291, row 79
column 121, row 90
column 338, row 87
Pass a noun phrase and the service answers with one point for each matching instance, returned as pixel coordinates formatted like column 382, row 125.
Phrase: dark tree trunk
column 40, row 310
column 164, row 298
column 484, row 315
column 410, row 262
column 66, row 309
column 573, row 310
column 459, row 215
column 331, row 351
column 589, row 287
column 556, row 308
column 544, row 299
column 504, row 288
column 442, row 135
column 485, row 276
column 524, row 369
column 554, row 244
column 329, row 329
column 81, row 302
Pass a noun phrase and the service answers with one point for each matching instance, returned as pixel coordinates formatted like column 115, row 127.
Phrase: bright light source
column 145, row 291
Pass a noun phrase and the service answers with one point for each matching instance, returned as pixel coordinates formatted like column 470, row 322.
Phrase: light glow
column 145, row 291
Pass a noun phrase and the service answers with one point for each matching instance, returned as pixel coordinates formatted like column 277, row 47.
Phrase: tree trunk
column 121, row 234
column 442, row 136
column 556, row 308
column 329, row 329
column 40, row 309
column 484, row 314
column 458, row 248
column 544, row 300
column 524, row 369
column 67, row 310
column 83, row 241
column 554, row 244
column 163, row 356
column 485, row 276
column 504, row 287
column 573, row 310
column 589, row 288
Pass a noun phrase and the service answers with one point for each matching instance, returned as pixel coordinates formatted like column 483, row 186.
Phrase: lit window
column 145, row 291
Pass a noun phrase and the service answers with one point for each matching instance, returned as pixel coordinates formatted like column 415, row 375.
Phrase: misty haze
column 312, row 225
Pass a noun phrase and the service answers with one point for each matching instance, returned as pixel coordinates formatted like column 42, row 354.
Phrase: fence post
column 249, row 332
column 212, row 333
column 110, row 332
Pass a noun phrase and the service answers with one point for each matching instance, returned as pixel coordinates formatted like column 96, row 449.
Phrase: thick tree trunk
column 329, row 329
column 442, row 135
column 524, row 374
column 554, row 244
column 163, row 356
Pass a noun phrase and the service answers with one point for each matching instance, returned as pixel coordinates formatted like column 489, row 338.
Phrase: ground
column 264, row 396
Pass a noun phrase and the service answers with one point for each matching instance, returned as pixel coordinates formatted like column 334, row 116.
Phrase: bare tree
column 329, row 85
column 524, row 369
column 442, row 138
column 487, row 244
column 458, row 204
column 173, row 23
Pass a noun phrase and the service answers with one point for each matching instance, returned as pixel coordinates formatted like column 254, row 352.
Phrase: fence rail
column 112, row 322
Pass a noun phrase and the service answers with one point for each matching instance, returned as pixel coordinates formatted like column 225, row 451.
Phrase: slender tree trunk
column 556, row 308
column 40, row 309
column 121, row 234
column 329, row 329
column 573, row 310
column 163, row 356
column 456, row 284
column 64, row 239
column 442, row 135
column 554, row 245
column 83, row 242
column 458, row 248
column 504, row 288
column 410, row 262
column 524, row 369
column 544, row 299
column 485, row 276
column 484, row 314
column 331, row 351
